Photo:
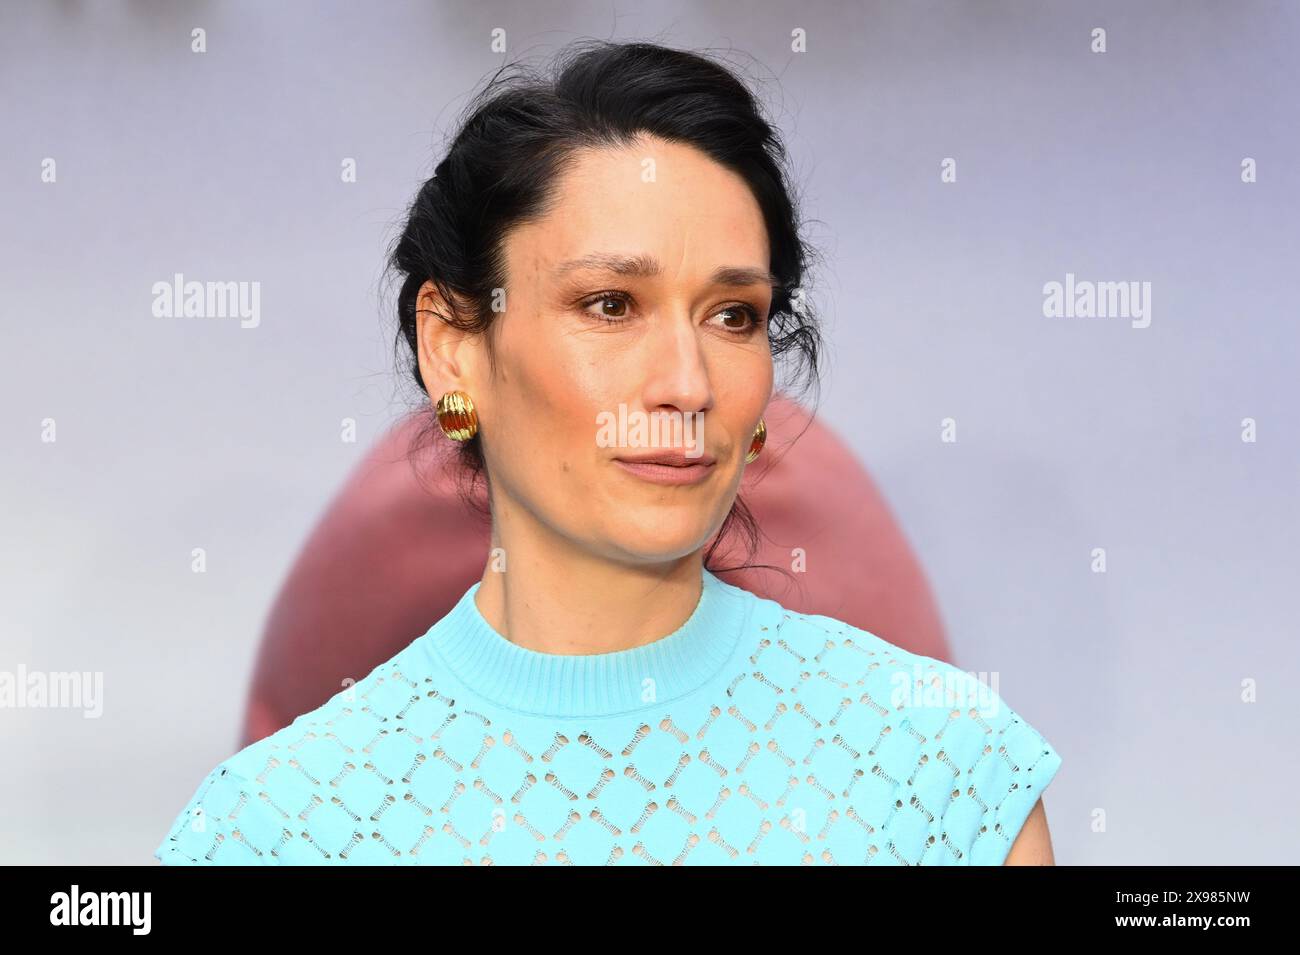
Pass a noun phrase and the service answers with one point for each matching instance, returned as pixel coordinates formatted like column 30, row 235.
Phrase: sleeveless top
column 751, row 735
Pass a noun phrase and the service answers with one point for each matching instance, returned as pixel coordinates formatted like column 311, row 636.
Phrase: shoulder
column 931, row 736
column 253, row 806
column 925, row 692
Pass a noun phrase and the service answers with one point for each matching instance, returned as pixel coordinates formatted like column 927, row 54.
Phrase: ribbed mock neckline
column 597, row 684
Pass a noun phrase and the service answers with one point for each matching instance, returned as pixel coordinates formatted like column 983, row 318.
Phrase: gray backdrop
column 1162, row 681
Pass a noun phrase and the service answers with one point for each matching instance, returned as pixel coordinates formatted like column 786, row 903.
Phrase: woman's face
column 646, row 289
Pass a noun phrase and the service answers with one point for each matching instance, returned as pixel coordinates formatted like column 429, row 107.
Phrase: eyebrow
column 647, row 266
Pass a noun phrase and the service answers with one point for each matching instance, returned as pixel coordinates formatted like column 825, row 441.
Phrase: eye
column 618, row 300
column 740, row 320
column 746, row 315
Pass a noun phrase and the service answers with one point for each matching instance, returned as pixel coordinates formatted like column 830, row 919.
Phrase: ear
column 443, row 364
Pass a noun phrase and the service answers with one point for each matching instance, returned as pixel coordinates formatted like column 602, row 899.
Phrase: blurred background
column 1105, row 508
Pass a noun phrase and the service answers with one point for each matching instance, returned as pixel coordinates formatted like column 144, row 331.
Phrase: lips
column 668, row 467
column 673, row 459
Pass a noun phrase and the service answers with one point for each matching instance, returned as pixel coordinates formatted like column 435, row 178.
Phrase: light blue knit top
column 752, row 735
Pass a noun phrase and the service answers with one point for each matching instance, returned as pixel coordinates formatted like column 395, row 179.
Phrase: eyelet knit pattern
column 752, row 735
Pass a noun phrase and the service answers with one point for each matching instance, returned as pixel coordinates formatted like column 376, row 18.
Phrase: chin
column 662, row 540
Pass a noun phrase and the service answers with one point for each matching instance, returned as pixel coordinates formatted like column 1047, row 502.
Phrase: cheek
column 554, row 398
column 744, row 385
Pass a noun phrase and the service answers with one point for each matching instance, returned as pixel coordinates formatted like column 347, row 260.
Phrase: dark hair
column 513, row 143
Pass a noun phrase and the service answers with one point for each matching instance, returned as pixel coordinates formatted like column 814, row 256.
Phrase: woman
column 598, row 281
column 388, row 521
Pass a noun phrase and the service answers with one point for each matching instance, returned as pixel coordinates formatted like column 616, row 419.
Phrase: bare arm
column 1033, row 845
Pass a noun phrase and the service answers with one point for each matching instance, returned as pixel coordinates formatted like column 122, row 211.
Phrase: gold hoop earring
column 457, row 416
column 760, row 439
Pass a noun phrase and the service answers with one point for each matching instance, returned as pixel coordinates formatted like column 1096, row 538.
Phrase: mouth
column 668, row 467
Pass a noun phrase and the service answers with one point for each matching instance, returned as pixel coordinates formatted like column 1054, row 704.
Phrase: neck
column 548, row 671
column 544, row 595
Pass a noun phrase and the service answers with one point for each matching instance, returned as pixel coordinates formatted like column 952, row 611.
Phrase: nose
column 677, row 374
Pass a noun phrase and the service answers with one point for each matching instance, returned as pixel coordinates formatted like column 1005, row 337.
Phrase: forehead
column 653, row 197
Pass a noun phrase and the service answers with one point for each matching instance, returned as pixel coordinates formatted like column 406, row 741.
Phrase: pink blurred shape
column 390, row 557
